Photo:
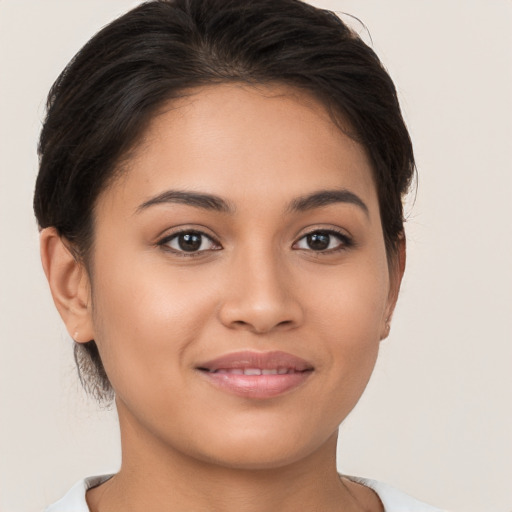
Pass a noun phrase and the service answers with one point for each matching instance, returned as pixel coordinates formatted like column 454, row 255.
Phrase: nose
column 260, row 296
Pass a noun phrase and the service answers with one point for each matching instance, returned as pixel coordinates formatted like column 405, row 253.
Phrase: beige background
column 436, row 420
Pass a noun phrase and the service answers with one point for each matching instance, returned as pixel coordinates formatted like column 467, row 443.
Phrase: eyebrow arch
column 199, row 200
column 325, row 198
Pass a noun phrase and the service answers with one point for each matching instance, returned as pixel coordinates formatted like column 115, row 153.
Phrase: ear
column 396, row 273
column 69, row 285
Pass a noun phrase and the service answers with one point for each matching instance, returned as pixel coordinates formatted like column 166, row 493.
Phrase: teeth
column 255, row 371
column 252, row 371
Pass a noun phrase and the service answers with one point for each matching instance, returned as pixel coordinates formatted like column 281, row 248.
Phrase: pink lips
column 256, row 374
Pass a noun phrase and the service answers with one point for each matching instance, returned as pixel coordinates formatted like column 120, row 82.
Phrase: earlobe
column 69, row 285
column 396, row 273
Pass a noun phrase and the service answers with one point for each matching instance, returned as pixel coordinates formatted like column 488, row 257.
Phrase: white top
column 392, row 499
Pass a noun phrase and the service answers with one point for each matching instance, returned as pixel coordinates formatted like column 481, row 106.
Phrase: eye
column 323, row 241
column 189, row 242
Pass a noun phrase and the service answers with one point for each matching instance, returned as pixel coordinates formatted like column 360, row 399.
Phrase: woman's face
column 240, row 285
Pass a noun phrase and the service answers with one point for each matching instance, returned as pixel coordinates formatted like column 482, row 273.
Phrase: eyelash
column 163, row 243
column 345, row 242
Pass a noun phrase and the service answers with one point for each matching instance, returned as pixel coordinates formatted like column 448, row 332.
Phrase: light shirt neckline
column 392, row 499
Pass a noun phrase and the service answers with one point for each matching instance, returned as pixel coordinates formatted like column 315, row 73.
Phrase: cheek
column 351, row 300
column 145, row 317
column 347, row 311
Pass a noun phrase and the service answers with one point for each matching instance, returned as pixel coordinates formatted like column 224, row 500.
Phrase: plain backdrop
column 436, row 419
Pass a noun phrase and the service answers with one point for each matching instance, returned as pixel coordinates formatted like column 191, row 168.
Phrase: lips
column 255, row 371
column 256, row 374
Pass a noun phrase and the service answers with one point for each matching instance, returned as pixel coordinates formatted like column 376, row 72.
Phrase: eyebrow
column 326, row 198
column 205, row 201
column 215, row 203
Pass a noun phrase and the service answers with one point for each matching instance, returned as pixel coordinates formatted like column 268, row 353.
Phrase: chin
column 250, row 459
column 262, row 450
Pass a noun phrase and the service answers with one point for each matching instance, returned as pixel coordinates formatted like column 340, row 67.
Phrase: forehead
column 237, row 140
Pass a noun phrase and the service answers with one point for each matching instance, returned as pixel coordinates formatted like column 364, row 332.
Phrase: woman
column 220, row 196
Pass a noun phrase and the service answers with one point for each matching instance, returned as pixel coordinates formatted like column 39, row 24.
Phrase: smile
column 255, row 371
column 257, row 375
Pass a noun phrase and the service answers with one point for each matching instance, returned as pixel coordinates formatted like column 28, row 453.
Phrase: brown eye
column 318, row 241
column 189, row 242
column 323, row 241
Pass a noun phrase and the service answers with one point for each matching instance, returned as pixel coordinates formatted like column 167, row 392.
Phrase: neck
column 154, row 476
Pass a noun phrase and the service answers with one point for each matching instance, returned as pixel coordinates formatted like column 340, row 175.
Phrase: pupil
column 189, row 242
column 318, row 241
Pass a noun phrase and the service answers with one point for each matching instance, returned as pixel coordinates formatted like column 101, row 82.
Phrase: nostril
column 260, row 326
column 260, row 315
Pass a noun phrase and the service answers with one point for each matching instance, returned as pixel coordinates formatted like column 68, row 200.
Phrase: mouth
column 256, row 375
column 252, row 371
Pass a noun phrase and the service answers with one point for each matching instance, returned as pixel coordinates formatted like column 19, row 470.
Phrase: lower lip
column 256, row 386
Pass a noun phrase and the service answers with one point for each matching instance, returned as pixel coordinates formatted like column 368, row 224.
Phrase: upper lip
column 262, row 360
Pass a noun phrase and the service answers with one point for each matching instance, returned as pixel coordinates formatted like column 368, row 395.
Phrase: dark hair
column 103, row 100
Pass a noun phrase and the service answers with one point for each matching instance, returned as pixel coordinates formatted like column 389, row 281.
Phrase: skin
column 256, row 284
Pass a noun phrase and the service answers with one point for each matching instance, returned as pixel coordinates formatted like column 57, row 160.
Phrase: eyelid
column 164, row 240
column 346, row 240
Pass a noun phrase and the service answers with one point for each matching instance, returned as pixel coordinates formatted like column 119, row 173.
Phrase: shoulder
column 74, row 500
column 392, row 499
